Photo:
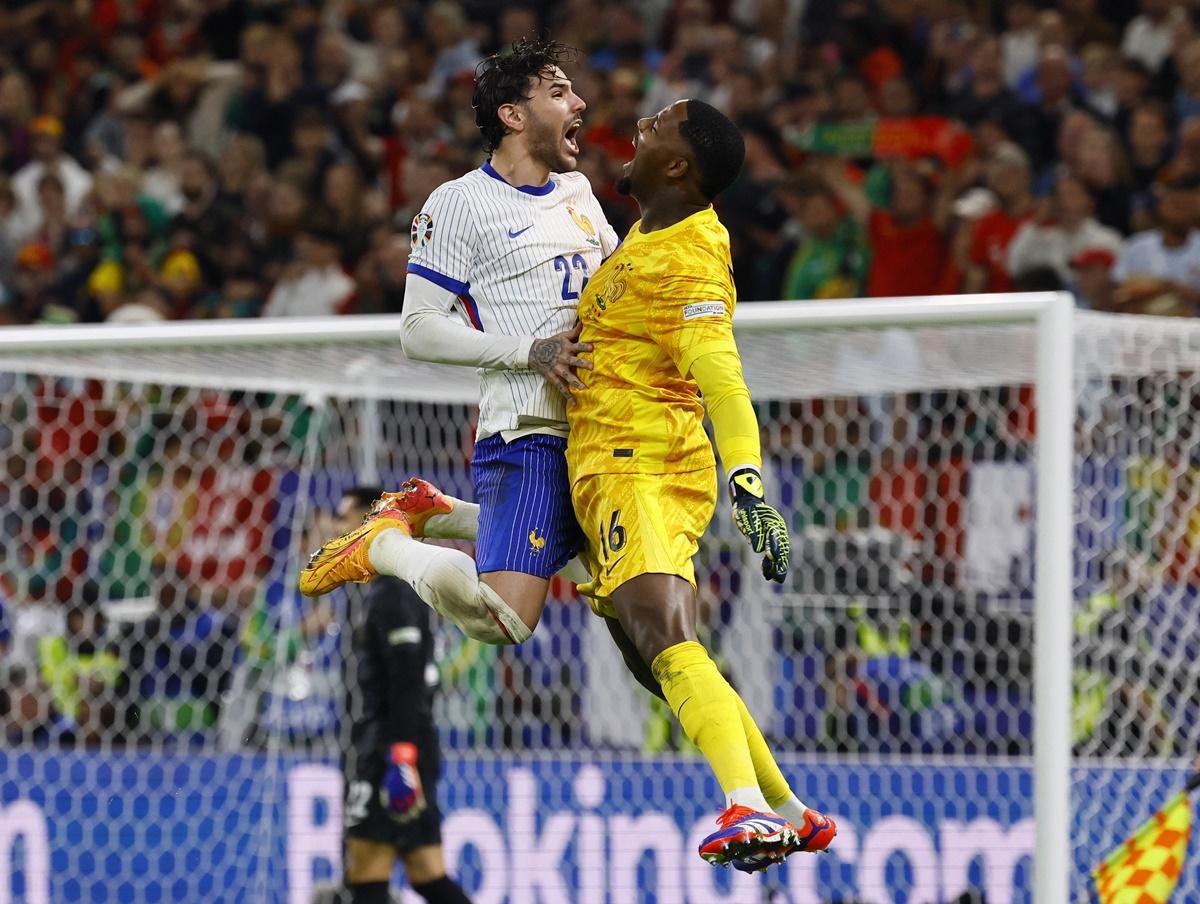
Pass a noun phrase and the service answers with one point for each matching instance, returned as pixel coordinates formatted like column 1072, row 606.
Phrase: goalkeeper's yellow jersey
column 659, row 302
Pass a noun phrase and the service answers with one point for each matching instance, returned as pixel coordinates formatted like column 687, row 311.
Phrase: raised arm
column 833, row 172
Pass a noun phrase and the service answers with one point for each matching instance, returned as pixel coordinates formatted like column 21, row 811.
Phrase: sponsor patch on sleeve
column 703, row 309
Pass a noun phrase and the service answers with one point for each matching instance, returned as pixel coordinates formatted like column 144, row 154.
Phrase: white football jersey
column 517, row 258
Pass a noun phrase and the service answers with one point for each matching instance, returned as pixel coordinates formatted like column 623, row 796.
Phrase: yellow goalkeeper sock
column 774, row 786
column 707, row 708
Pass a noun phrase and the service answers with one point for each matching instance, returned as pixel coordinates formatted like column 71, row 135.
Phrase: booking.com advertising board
column 149, row 828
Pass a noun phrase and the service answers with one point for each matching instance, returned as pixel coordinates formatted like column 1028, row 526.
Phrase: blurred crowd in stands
column 175, row 159
column 167, row 159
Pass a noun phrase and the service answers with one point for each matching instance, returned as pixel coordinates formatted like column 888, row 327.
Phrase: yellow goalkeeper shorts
column 639, row 524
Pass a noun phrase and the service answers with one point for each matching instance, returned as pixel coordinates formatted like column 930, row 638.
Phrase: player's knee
column 424, row 865
column 638, row 667
column 657, row 611
column 524, row 594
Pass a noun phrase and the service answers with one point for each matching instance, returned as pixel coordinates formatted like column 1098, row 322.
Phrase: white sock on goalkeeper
column 462, row 523
column 792, row 810
column 446, row 579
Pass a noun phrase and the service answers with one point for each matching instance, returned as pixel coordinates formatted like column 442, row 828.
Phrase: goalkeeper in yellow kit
column 659, row 314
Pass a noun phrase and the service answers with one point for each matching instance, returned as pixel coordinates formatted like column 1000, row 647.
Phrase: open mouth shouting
column 571, row 137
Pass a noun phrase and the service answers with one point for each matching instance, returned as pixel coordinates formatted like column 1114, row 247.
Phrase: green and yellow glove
column 762, row 525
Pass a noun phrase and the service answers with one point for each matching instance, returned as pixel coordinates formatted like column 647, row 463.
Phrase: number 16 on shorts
column 612, row 538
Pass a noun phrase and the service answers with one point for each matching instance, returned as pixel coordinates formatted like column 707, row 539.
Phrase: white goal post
column 1051, row 315
column 359, row 358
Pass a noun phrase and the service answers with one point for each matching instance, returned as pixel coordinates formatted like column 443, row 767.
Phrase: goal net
column 174, row 712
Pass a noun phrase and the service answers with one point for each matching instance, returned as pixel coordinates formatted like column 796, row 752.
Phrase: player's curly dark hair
column 717, row 144
column 505, row 77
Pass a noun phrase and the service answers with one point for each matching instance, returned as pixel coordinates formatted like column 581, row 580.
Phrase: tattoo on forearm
column 545, row 352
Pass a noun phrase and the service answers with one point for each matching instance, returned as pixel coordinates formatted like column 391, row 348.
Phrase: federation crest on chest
column 612, row 285
column 584, row 223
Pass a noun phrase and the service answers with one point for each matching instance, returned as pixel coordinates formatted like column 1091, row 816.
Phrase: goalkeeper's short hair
column 717, row 145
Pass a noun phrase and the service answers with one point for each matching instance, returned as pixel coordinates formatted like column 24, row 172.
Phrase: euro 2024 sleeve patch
column 422, row 230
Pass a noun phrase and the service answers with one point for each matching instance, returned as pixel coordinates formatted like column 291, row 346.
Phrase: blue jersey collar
column 528, row 189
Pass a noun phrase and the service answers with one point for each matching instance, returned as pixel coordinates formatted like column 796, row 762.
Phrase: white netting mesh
column 174, row 712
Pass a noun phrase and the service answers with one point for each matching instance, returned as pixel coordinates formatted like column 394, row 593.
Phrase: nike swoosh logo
column 611, row 566
column 513, row 235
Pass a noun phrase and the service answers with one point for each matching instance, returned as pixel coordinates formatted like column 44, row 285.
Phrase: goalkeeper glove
column 762, row 525
column 401, row 791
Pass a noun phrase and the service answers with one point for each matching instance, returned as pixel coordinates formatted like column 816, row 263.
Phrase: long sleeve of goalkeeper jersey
column 431, row 331
column 718, row 373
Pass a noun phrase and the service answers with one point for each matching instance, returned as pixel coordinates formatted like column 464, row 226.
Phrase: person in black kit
column 393, row 763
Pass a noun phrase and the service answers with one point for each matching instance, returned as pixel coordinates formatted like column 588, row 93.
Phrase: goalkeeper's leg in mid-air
column 420, row 511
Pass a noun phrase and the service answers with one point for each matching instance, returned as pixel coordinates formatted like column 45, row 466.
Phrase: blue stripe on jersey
column 526, row 521
column 472, row 310
column 528, row 189
column 439, row 279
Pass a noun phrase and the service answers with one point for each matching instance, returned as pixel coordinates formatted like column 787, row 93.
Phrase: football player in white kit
column 499, row 257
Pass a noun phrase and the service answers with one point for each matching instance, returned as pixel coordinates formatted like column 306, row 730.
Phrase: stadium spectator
column 1164, row 263
column 1148, row 36
column 1063, row 228
column 291, row 104
column 162, row 180
column 78, row 261
column 1096, row 82
column 985, row 94
column 1054, row 45
column 1008, row 176
column 455, row 50
column 754, row 216
column 832, row 257
column 52, row 205
column 1102, row 166
column 28, row 713
column 313, row 285
column 205, row 221
column 380, row 277
column 1186, row 101
column 1131, row 81
column 1186, row 161
column 1148, row 137
column 31, row 294
column 1086, row 25
column 1092, row 283
column 909, row 252
column 46, row 138
column 353, row 210
column 83, row 675
column 241, row 295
